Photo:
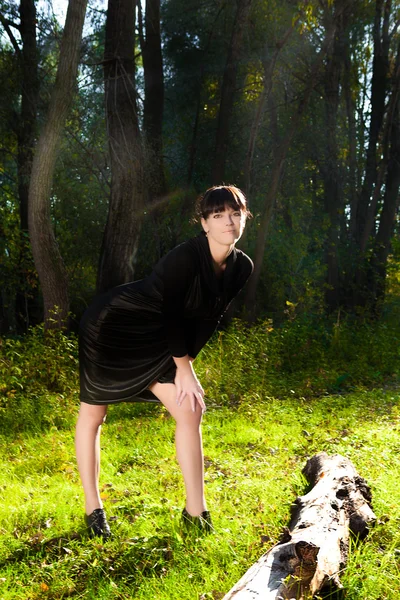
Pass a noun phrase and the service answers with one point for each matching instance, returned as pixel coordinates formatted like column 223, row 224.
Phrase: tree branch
column 7, row 28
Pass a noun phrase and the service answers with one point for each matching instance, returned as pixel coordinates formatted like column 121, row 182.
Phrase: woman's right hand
column 187, row 384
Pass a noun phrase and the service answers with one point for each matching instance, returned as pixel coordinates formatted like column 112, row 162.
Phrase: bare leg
column 189, row 450
column 87, row 444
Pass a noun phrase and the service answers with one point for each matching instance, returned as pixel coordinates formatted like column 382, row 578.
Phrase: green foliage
column 305, row 357
column 37, row 367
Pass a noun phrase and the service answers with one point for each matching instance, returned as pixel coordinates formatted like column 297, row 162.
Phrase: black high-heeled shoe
column 97, row 524
column 200, row 524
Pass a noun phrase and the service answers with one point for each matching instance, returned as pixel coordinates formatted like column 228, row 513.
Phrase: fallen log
column 314, row 548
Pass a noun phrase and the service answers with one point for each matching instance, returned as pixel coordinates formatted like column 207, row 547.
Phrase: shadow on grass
column 146, row 552
column 332, row 595
column 90, row 563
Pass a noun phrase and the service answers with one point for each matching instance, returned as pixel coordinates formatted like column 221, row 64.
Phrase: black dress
column 129, row 335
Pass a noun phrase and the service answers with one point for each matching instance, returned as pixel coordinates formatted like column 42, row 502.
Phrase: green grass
column 254, row 456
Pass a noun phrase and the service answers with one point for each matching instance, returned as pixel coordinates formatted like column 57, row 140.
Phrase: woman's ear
column 204, row 225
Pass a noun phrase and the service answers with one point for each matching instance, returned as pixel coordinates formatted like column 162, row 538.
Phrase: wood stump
column 314, row 548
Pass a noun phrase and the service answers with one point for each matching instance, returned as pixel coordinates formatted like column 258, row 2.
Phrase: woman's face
column 224, row 227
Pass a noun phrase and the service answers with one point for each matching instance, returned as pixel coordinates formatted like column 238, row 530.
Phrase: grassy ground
column 254, row 456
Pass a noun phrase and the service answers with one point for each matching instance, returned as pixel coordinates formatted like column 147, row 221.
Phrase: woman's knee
column 93, row 415
column 185, row 415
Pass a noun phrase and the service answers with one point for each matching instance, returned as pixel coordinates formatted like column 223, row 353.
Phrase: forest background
column 295, row 102
column 110, row 127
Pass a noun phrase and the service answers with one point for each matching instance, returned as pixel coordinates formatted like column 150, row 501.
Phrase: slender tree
column 26, row 135
column 153, row 107
column 29, row 103
column 48, row 262
column 379, row 86
column 336, row 16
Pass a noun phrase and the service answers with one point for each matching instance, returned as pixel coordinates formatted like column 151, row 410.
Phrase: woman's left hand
column 187, row 384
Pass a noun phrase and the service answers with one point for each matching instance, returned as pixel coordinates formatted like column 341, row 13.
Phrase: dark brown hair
column 218, row 197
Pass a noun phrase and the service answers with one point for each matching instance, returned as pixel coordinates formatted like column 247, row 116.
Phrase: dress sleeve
column 203, row 332
column 244, row 270
column 178, row 272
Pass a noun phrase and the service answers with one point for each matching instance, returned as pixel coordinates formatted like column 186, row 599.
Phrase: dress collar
column 216, row 284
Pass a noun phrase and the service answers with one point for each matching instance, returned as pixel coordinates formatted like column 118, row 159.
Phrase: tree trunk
column 26, row 135
column 228, row 90
column 314, row 549
column 48, row 261
column 333, row 201
column 29, row 102
column 128, row 189
column 153, row 94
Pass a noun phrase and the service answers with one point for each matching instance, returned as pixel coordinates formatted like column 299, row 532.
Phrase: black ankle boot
column 97, row 524
column 201, row 524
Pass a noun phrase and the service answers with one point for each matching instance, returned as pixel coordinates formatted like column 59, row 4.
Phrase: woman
column 138, row 342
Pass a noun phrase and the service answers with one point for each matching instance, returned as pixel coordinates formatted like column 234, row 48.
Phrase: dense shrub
column 38, row 380
column 304, row 357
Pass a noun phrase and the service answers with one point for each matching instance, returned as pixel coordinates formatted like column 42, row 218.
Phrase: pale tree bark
column 48, row 261
column 280, row 155
column 228, row 90
column 128, row 188
column 314, row 549
column 153, row 107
